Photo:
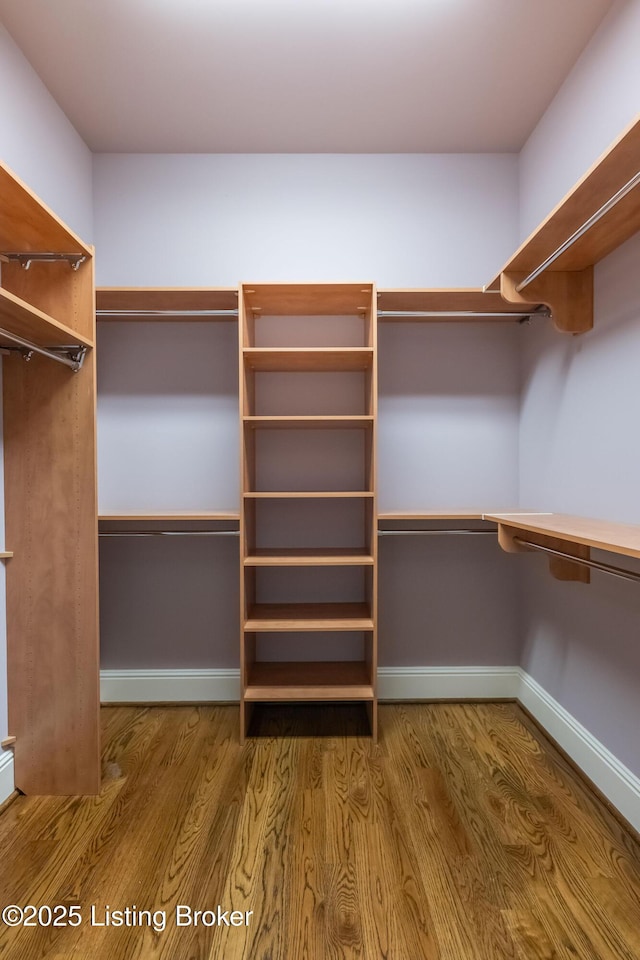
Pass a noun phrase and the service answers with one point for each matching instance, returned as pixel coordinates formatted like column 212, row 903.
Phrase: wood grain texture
column 63, row 294
column 27, row 225
column 165, row 298
column 463, row 835
column 569, row 296
column 52, row 601
column 609, row 173
column 620, row 538
column 449, row 300
column 309, row 299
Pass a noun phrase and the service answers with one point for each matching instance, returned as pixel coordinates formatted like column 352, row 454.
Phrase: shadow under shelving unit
column 305, row 460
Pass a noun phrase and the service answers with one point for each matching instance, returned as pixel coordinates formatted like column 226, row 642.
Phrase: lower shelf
column 309, row 616
column 316, row 680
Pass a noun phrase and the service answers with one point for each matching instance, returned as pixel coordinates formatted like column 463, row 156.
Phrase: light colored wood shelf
column 620, row 538
column 609, row 173
column 309, row 423
column 310, row 359
column 271, row 617
column 309, row 495
column 6, row 555
column 153, row 517
column 310, row 556
column 463, row 299
column 317, row 680
column 166, row 298
column 19, row 317
column 27, row 225
column 401, row 516
column 309, row 299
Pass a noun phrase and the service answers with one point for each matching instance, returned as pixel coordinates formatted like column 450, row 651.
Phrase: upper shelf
column 448, row 305
column 620, row 538
column 615, row 168
column 166, row 303
column 308, row 359
column 27, row 225
column 308, row 299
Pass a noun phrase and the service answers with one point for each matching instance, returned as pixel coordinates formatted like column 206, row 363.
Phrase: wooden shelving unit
column 566, row 285
column 269, row 678
column 620, row 538
column 50, row 499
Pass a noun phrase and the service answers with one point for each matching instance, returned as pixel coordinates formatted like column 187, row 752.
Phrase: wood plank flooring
column 462, row 836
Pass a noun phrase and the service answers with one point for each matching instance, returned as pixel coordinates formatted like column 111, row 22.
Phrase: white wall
column 39, row 143
column 578, row 454
column 600, row 97
column 401, row 220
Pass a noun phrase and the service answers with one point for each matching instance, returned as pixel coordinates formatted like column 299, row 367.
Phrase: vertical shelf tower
column 308, row 544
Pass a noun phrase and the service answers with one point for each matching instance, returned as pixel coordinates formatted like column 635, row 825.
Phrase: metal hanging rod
column 153, row 314
column 593, row 219
column 26, row 259
column 426, row 314
column 453, row 531
column 619, row 572
column 71, row 356
column 169, row 533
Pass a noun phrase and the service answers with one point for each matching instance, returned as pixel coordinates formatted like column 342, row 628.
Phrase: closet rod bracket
column 70, row 355
column 75, row 260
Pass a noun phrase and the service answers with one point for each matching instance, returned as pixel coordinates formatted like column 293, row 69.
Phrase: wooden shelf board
column 19, row 317
column 617, row 538
column 310, row 556
column 310, row 359
column 309, row 616
column 152, row 517
column 608, row 174
column 309, row 495
column 463, row 299
column 166, row 298
column 431, row 515
column 309, row 423
column 27, row 225
column 309, row 299
column 6, row 554
column 316, row 680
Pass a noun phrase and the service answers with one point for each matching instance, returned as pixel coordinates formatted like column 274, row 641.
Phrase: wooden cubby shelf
column 331, row 617
column 315, row 680
column 309, row 423
column 308, row 494
column 310, row 557
column 308, row 360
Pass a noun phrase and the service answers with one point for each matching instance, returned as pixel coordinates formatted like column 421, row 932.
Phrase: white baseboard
column 169, row 686
column 7, row 782
column 617, row 783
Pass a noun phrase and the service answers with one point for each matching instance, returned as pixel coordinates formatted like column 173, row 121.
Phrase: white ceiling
column 303, row 75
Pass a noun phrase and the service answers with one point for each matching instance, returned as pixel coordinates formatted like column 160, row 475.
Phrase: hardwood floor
column 462, row 836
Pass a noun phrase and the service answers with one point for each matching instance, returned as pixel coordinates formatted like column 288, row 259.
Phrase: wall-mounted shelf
column 174, row 517
column 307, row 299
column 6, row 555
column 582, row 229
column 167, row 303
column 462, row 305
column 568, row 541
column 309, row 495
column 28, row 225
column 402, row 516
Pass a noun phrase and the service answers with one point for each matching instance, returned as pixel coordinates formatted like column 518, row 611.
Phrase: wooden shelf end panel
column 569, row 296
column 559, row 567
